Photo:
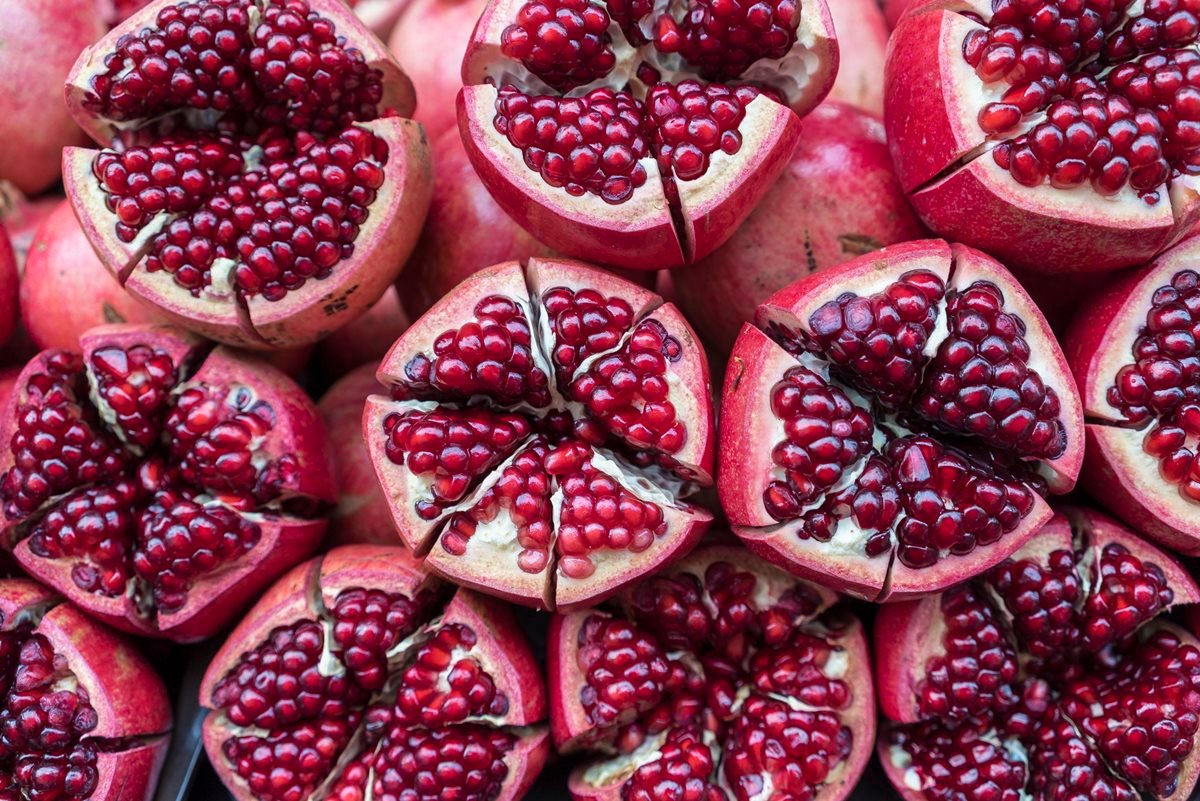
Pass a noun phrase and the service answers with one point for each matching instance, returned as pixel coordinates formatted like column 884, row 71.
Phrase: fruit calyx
column 890, row 426
column 636, row 120
column 406, row 689
column 259, row 180
column 1054, row 663
column 544, row 425
column 721, row 678
column 158, row 482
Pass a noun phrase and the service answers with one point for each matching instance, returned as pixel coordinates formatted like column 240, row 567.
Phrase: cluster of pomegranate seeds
column 584, row 323
column 716, row 682
column 722, row 38
column 275, row 195
column 563, row 42
column 1160, row 390
column 1112, row 87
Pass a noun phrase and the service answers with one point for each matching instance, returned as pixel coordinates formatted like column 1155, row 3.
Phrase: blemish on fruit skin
column 336, row 304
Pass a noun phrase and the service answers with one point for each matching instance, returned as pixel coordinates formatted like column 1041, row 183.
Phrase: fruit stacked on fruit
column 1051, row 676
column 359, row 676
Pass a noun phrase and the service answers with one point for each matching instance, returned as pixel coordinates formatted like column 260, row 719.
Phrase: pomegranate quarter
column 639, row 134
column 159, row 483
column 720, row 679
column 1049, row 677
column 358, row 676
column 258, row 181
column 1135, row 353
column 890, row 426
column 1057, row 135
column 544, row 424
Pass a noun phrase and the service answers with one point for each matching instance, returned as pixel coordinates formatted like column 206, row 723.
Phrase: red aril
column 358, row 676
column 890, row 426
column 837, row 199
column 544, row 426
column 1134, row 349
column 639, row 136
column 157, row 482
column 1050, row 676
column 721, row 678
column 257, row 181
column 1059, row 136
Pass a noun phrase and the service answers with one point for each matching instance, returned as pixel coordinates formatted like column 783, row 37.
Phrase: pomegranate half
column 359, row 676
column 1049, row 677
column 639, row 134
column 83, row 717
column 543, row 426
column 891, row 425
column 157, row 482
column 257, row 180
column 720, row 679
column 1135, row 349
column 1057, row 135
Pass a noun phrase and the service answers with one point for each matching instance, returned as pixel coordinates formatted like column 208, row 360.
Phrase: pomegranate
column 1135, row 352
column 894, row 9
column 365, row 339
column 1049, row 677
column 838, row 198
column 39, row 40
column 65, row 290
column 465, row 231
column 862, row 38
column 256, row 184
column 9, row 279
column 21, row 217
column 543, row 427
column 157, row 484
column 362, row 514
column 639, row 135
column 1059, row 136
column 83, row 715
column 722, row 679
column 891, row 425
column 435, row 71
column 358, row 676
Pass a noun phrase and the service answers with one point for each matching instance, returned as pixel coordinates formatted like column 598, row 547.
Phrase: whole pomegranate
column 466, row 230
column 894, row 9
column 639, row 135
column 544, row 425
column 358, row 676
column 157, row 482
column 83, row 717
column 365, row 339
column 890, row 426
column 721, row 679
column 39, row 41
column 9, row 279
column 1057, row 135
column 1049, row 677
column 362, row 514
column 862, row 42
column 838, row 198
column 1135, row 349
column 65, row 290
column 436, row 72
column 258, row 182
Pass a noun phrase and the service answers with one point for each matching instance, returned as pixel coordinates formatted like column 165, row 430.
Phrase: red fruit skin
column 862, row 41
column 435, row 71
column 893, row 10
column 365, row 339
column 837, row 199
column 34, row 123
column 66, row 290
column 362, row 514
column 9, row 313
column 466, row 230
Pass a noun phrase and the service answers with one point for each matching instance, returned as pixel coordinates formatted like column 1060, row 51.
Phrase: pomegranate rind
column 1102, row 530
column 637, row 234
column 9, row 281
column 568, row 724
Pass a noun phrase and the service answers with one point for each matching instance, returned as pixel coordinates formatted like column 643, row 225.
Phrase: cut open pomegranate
column 891, row 425
column 720, row 679
column 83, row 717
column 1049, row 677
column 258, row 183
column 159, row 484
column 544, row 425
column 639, row 134
column 358, row 676
column 1057, row 135
column 1135, row 350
